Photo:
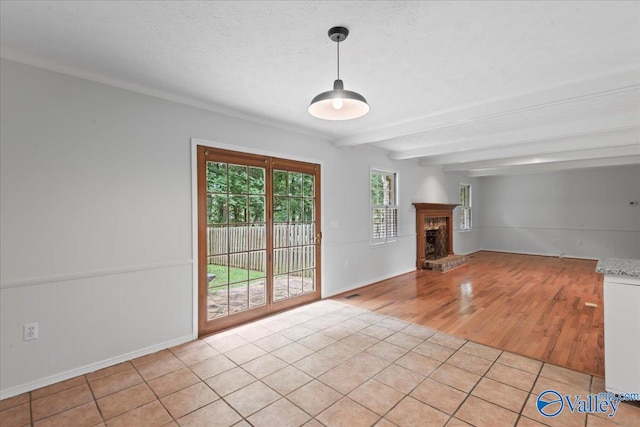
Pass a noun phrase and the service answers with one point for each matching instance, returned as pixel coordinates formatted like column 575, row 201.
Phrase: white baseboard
column 43, row 382
column 537, row 254
column 367, row 282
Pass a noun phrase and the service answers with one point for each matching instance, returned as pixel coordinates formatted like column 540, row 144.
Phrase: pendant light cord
column 338, row 43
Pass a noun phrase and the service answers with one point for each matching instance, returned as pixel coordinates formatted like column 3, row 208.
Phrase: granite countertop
column 619, row 267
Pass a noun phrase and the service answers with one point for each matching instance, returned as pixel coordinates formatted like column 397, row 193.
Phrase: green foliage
column 231, row 275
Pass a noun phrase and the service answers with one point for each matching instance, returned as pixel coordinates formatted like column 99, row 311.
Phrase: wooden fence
column 294, row 247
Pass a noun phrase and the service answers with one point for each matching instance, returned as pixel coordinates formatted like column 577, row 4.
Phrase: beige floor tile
column 597, row 385
column 160, row 367
column 391, row 323
column 86, row 415
column 564, row 419
column 567, row 376
column 216, row 414
column 528, row 422
column 404, row 340
column 245, row 353
column 316, row 341
column 520, row 362
column 57, row 387
column 441, row 396
column 447, row 340
column 52, row 404
column 418, row 331
column 293, row 352
column 480, row 350
column 339, row 351
column 190, row 345
column 253, row 332
column 230, row 381
column 371, row 317
column 272, row 342
column 281, row 413
column 367, row 364
column 412, row 412
column 286, row 380
column 378, row 331
column 418, row 363
column 543, row 384
column 469, row 362
column 456, row 377
column 173, row 382
column 196, row 355
column 337, row 332
column 276, row 324
column 400, row 378
column 252, row 398
column 385, row 423
column 481, row 413
column 297, row 332
column 512, row 376
column 116, row 382
column 387, row 351
column 454, row 422
column 213, row 366
column 149, row 415
column 508, row 397
column 316, row 364
column 628, row 414
column 188, row 399
column 314, row 397
column 376, row 396
column 343, row 378
column 142, row 360
column 360, row 341
column 225, row 341
column 16, row 416
column 434, row 351
column 242, row 423
column 354, row 324
column 125, row 400
column 109, row 371
column 347, row 413
column 264, row 365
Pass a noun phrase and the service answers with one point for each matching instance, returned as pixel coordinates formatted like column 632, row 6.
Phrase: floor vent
column 351, row 296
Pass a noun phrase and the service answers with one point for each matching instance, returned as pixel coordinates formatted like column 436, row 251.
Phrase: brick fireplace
column 434, row 234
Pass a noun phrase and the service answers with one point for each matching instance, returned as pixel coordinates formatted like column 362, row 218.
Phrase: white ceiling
column 479, row 87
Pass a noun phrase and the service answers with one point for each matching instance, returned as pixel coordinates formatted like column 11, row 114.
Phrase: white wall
column 578, row 213
column 95, row 211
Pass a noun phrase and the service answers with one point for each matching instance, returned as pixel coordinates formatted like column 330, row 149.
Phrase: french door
column 258, row 236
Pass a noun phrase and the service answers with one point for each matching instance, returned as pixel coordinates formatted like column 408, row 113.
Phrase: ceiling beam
column 569, row 92
column 603, row 139
column 557, row 166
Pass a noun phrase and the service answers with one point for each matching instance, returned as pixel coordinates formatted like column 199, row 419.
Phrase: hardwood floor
column 530, row 305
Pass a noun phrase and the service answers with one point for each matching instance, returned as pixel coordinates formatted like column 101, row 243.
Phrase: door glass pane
column 308, row 185
column 280, row 261
column 280, row 235
column 280, row 183
column 295, row 209
column 236, row 240
column 295, row 184
column 281, row 287
column 280, row 209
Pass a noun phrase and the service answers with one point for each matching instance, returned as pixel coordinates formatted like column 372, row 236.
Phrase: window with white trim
column 465, row 206
column 384, row 206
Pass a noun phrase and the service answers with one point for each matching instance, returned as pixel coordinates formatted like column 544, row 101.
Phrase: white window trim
column 392, row 240
column 470, row 207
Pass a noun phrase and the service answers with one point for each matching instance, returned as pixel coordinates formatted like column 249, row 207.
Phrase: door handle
column 318, row 239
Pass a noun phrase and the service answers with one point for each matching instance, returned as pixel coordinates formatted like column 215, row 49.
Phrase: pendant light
column 338, row 104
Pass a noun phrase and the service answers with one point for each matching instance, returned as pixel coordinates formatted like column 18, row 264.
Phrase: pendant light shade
column 338, row 104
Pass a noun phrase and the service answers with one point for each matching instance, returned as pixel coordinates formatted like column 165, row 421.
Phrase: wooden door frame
column 195, row 142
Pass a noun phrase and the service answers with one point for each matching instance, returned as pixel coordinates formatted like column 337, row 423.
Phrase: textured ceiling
column 442, row 78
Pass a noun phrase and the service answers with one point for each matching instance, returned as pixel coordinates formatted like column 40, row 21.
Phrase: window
column 465, row 207
column 384, row 206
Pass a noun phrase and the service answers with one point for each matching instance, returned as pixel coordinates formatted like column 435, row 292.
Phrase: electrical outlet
column 30, row 331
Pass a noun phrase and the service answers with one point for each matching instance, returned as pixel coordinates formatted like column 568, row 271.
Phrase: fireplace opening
column 436, row 238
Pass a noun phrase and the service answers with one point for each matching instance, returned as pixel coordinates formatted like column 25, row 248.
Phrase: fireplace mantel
column 432, row 210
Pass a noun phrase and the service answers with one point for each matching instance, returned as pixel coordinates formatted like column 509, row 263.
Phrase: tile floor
column 327, row 364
